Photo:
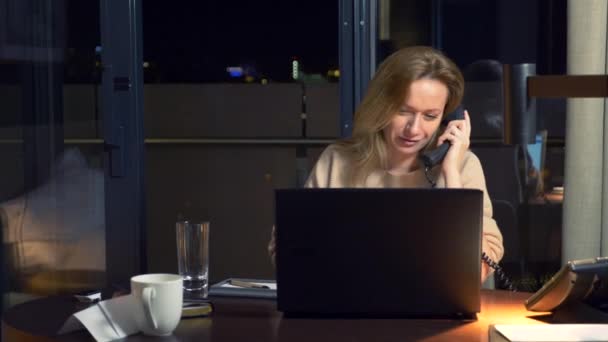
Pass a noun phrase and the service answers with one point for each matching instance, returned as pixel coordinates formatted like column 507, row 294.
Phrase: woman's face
column 416, row 121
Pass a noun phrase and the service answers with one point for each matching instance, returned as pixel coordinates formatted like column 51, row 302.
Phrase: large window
column 240, row 98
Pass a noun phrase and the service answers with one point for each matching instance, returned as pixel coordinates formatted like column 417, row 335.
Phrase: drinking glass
column 193, row 257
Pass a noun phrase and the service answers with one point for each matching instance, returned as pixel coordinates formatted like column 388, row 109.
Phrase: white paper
column 554, row 332
column 120, row 311
column 72, row 324
column 96, row 323
column 271, row 286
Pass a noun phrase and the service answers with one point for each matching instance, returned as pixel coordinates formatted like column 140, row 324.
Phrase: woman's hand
column 458, row 133
column 485, row 271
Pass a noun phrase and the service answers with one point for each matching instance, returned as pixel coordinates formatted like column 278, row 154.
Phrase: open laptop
column 378, row 252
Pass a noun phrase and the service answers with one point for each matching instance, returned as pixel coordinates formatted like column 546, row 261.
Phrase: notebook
column 225, row 288
column 378, row 252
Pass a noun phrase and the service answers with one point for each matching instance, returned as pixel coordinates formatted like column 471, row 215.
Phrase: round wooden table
column 258, row 320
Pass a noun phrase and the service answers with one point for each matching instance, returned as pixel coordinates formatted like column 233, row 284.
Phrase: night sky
column 197, row 41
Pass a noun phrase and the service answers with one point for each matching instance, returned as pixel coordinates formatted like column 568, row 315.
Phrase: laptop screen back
column 378, row 251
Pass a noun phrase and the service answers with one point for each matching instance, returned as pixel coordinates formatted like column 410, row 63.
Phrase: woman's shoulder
column 470, row 160
column 336, row 157
column 334, row 153
column 331, row 168
column 472, row 170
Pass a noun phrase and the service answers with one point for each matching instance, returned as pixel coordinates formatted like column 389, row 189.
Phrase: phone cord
column 499, row 272
column 428, row 177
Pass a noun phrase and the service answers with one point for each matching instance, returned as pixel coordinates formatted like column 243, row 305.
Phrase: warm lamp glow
column 509, row 309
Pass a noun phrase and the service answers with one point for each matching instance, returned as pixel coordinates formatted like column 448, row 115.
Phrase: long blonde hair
column 385, row 94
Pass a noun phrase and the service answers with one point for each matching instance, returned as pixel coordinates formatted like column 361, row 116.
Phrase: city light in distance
column 295, row 69
column 333, row 73
column 235, row 71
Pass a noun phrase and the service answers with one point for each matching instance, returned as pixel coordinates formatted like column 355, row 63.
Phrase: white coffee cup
column 159, row 298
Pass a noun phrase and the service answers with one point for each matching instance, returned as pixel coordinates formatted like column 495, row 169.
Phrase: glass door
column 56, row 179
column 52, row 186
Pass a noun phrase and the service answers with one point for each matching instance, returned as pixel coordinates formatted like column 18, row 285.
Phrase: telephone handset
column 434, row 157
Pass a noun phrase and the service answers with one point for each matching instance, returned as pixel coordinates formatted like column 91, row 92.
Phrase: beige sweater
column 331, row 171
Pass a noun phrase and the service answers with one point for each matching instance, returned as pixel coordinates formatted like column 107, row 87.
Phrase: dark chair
column 506, row 218
column 502, row 170
column 484, row 98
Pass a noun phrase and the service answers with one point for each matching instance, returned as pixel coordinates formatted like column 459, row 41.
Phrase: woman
column 398, row 119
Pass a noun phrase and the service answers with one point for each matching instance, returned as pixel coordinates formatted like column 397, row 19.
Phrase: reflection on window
column 56, row 231
column 52, row 212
